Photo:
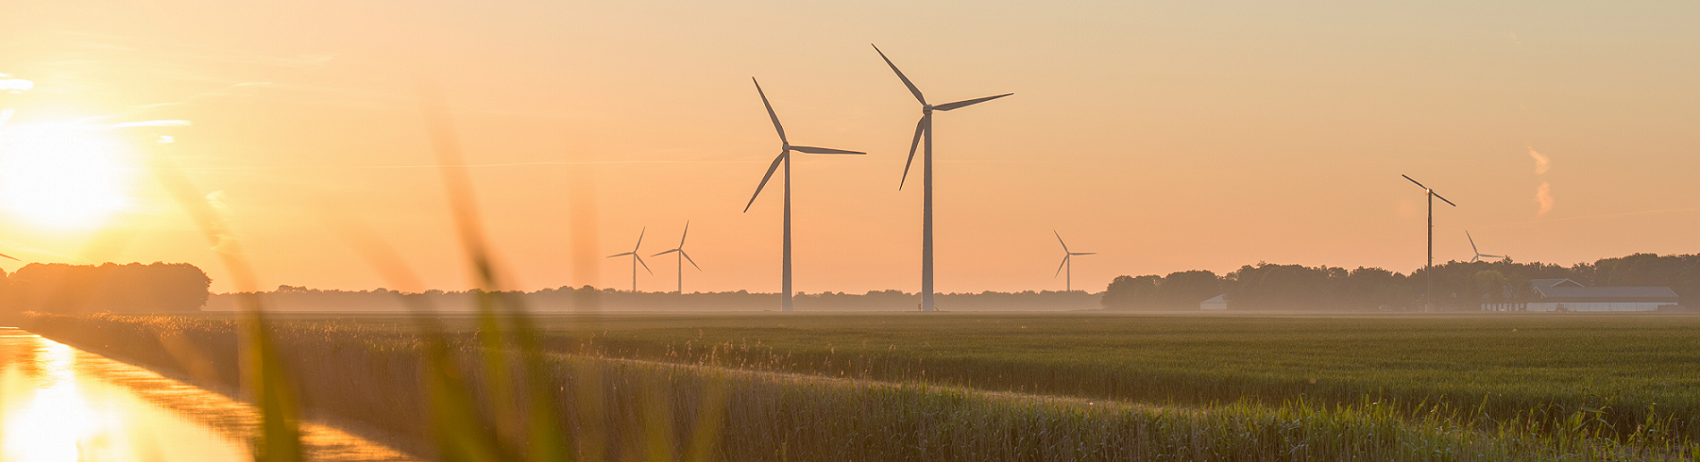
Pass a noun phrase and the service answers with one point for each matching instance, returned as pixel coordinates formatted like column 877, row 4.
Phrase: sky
column 1164, row 136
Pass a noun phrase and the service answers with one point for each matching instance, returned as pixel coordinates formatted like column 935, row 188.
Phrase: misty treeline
column 296, row 298
column 1457, row 285
column 109, row 287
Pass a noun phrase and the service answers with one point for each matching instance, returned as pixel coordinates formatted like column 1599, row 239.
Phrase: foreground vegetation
column 369, row 372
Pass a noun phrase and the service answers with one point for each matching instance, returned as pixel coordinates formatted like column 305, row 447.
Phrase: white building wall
column 1599, row 306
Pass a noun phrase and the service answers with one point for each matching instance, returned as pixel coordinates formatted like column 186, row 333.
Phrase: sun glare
column 62, row 175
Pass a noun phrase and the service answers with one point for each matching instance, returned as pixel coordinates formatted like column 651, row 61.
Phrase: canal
column 59, row 403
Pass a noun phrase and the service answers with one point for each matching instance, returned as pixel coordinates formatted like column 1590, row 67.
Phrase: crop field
column 1625, row 369
column 1195, row 387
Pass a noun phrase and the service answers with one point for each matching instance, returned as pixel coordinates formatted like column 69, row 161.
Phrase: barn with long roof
column 1568, row 295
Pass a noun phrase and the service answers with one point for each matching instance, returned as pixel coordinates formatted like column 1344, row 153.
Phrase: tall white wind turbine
column 1068, row 282
column 1428, row 268
column 636, row 260
column 683, row 257
column 1478, row 252
column 785, row 148
column 924, row 129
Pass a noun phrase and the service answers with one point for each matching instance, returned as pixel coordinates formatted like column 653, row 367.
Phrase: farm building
column 1568, row 295
column 1219, row 302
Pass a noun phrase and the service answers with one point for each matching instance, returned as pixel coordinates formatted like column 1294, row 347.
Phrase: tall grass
column 660, row 411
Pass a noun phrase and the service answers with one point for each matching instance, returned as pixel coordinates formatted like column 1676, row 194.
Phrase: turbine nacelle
column 1478, row 252
column 925, row 126
column 785, row 147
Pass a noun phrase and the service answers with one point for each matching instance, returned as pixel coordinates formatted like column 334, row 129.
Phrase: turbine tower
column 1478, row 252
column 1068, row 282
column 785, row 149
column 924, row 129
column 683, row 257
column 636, row 260
column 1428, row 268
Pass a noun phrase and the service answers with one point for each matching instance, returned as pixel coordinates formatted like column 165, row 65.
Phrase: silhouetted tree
column 110, row 287
column 1131, row 293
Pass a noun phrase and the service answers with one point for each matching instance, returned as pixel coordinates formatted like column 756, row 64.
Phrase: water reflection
column 58, row 403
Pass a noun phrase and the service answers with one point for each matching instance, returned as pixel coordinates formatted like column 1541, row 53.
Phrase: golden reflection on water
column 58, row 403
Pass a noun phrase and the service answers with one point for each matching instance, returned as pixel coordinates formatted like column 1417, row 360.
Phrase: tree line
column 1457, row 285
column 588, row 298
column 109, row 287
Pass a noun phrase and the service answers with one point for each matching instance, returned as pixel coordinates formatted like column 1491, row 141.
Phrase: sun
column 62, row 176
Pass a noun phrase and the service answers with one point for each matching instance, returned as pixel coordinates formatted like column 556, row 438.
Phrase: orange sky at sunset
column 1163, row 137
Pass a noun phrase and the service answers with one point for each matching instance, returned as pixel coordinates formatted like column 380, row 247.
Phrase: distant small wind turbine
column 1428, row 268
column 924, row 129
column 1068, row 282
column 636, row 260
column 683, row 257
column 785, row 149
column 1479, row 253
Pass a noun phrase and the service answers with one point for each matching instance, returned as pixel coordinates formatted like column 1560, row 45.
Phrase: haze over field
column 1162, row 137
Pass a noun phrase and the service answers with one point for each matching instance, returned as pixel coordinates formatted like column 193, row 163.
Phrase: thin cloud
column 154, row 123
column 14, row 86
column 1542, row 163
column 1543, row 196
column 1543, row 193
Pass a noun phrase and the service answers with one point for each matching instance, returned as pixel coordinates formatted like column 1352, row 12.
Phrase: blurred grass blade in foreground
column 279, row 438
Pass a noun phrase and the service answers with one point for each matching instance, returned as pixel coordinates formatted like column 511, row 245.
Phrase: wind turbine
column 785, row 149
column 924, row 129
column 1478, row 252
column 1068, row 282
column 1428, row 268
column 682, row 257
column 636, row 260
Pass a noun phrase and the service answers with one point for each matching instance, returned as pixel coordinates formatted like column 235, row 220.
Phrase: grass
column 1624, row 369
column 369, row 370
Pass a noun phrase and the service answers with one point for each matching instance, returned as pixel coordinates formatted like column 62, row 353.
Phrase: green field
column 1225, row 387
column 1625, row 366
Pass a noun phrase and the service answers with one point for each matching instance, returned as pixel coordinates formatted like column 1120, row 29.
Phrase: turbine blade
column 764, row 179
column 770, row 113
column 906, row 82
column 1442, row 199
column 1494, row 256
column 640, row 240
column 919, row 126
column 686, row 233
column 688, row 258
column 1060, row 266
column 815, row 150
column 619, row 255
column 9, row 256
column 1084, row 253
column 640, row 262
column 1472, row 243
column 1060, row 241
column 664, row 253
column 1420, row 185
column 966, row 103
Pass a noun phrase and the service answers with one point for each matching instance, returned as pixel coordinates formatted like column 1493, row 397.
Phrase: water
column 58, row 403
